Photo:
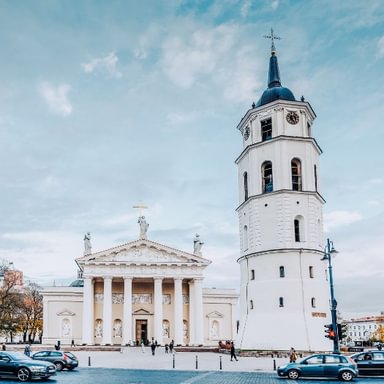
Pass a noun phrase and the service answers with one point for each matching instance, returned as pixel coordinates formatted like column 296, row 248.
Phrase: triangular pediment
column 215, row 314
column 143, row 252
column 65, row 312
column 141, row 311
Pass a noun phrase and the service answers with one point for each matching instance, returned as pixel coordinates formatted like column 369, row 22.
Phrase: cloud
column 340, row 218
column 275, row 4
column 56, row 97
column 380, row 46
column 104, row 64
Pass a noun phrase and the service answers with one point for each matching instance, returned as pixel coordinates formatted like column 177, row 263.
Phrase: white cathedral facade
column 139, row 291
column 284, row 293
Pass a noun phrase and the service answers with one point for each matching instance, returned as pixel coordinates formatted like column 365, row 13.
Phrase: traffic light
column 342, row 331
column 329, row 332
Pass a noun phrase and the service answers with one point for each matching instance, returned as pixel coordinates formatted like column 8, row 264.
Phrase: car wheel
column 346, row 376
column 59, row 366
column 23, row 374
column 293, row 374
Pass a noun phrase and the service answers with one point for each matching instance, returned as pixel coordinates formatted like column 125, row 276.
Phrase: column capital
column 107, row 278
column 156, row 278
column 177, row 278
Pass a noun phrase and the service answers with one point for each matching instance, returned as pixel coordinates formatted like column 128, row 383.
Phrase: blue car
column 321, row 365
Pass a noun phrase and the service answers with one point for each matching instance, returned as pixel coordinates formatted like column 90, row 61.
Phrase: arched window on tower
column 298, row 228
column 245, row 245
column 281, row 301
column 267, row 179
column 315, row 173
column 311, row 272
column 313, row 302
column 296, row 175
column 245, row 178
column 282, row 271
column 252, row 274
column 251, row 304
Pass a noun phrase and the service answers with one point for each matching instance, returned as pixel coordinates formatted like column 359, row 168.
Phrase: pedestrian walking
column 27, row 350
column 166, row 348
column 153, row 348
column 171, row 346
column 142, row 347
column 233, row 352
column 292, row 355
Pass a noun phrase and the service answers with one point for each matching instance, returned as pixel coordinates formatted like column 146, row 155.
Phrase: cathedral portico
column 139, row 291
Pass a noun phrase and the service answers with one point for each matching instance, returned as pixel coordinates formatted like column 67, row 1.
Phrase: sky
column 109, row 104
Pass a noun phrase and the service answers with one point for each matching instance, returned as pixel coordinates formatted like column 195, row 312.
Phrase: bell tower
column 284, row 296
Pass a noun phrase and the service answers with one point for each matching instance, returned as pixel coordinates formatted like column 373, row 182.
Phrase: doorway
column 142, row 331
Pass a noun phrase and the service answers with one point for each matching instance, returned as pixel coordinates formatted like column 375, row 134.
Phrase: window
column 315, row 173
column 281, row 302
column 309, row 130
column 282, row 271
column 251, row 304
column 245, row 178
column 313, row 302
column 245, row 245
column 296, row 175
column 311, row 271
column 297, row 230
column 267, row 181
column 252, row 274
column 266, row 129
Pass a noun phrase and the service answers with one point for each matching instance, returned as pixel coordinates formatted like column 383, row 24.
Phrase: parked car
column 61, row 359
column 370, row 362
column 321, row 365
column 16, row 364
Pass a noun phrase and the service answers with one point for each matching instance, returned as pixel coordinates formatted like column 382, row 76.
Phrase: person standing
column 292, row 355
column 153, row 348
column 233, row 352
column 171, row 346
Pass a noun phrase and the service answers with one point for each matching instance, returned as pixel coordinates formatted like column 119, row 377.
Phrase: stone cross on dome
column 272, row 37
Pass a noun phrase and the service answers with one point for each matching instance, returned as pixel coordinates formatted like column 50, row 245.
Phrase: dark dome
column 275, row 93
column 77, row 283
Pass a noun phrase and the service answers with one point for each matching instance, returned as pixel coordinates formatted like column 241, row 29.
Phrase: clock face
column 246, row 133
column 292, row 117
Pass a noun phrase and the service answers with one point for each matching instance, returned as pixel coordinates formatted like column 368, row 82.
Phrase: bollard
column 274, row 364
column 221, row 364
column 197, row 362
column 89, row 361
column 173, row 361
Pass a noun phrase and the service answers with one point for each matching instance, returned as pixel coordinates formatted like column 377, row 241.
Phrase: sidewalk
column 134, row 358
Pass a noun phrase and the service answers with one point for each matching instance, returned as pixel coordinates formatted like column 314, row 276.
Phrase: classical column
column 107, row 311
column 178, row 311
column 191, row 324
column 88, row 320
column 158, row 317
column 199, row 329
column 127, row 311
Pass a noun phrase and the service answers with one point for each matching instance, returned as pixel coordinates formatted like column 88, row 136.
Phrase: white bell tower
column 284, row 297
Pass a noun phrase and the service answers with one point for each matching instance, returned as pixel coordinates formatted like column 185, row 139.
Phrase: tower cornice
column 278, row 138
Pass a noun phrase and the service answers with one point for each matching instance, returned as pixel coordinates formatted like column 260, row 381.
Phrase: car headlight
column 37, row 368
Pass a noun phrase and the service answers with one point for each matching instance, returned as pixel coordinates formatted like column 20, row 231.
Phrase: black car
column 16, row 364
column 369, row 362
column 61, row 359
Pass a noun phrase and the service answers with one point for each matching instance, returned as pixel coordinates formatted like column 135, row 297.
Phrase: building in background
column 366, row 329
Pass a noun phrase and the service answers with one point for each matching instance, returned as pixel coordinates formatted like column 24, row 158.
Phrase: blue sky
column 106, row 104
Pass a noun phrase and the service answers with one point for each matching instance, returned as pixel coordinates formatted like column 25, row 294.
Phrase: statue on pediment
column 197, row 244
column 87, row 244
column 143, row 227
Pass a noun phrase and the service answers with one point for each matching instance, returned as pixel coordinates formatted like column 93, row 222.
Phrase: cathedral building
column 284, row 293
column 139, row 291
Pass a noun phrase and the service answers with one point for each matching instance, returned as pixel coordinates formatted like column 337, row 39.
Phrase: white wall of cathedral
column 218, row 313
column 291, row 286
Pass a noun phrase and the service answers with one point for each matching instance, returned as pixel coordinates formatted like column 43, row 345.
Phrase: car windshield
column 18, row 356
column 71, row 355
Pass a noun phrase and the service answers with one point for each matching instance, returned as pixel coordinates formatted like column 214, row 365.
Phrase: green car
column 324, row 365
column 22, row 367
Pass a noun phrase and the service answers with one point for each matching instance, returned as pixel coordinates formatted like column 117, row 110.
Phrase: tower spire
column 273, row 38
column 273, row 73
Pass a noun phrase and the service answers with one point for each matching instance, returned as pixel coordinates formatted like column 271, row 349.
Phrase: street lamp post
column 328, row 252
